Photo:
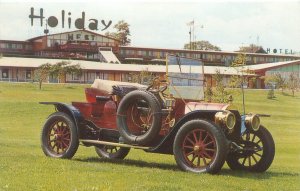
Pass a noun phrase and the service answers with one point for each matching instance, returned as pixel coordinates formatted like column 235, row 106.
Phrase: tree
column 293, row 82
column 60, row 70
column 275, row 80
column 201, row 45
column 122, row 33
column 252, row 48
column 280, row 81
column 239, row 61
column 42, row 73
column 208, row 93
column 143, row 77
column 235, row 81
column 270, row 80
column 220, row 94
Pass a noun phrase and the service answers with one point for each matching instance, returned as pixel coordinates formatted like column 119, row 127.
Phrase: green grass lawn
column 23, row 166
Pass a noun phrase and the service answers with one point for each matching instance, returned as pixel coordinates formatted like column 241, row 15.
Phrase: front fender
column 70, row 110
column 166, row 145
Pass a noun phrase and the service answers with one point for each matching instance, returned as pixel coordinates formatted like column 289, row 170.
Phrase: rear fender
column 70, row 110
column 166, row 145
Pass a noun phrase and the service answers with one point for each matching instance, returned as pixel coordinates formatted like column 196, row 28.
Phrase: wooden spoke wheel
column 59, row 136
column 200, row 146
column 257, row 154
column 112, row 152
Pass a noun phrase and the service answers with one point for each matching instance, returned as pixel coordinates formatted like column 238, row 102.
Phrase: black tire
column 156, row 97
column 203, row 140
column 254, row 161
column 112, row 152
column 146, row 135
column 59, row 136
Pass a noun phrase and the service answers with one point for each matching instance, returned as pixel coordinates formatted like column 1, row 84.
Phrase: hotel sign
column 280, row 51
column 65, row 20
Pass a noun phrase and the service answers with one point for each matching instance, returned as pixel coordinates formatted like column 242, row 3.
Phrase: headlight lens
column 252, row 121
column 225, row 118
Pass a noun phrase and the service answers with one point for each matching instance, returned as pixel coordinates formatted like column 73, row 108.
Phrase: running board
column 113, row 144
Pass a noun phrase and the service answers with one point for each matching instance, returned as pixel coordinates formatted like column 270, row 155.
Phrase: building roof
column 90, row 65
column 268, row 66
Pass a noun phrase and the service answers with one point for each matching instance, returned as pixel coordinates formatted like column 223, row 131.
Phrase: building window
column 97, row 75
column 125, row 77
column 5, row 73
column 28, row 74
column 213, row 57
column 198, row 56
column 122, row 52
column 28, row 47
column 75, row 77
column 105, row 76
column 100, row 75
column 162, row 54
column 19, row 46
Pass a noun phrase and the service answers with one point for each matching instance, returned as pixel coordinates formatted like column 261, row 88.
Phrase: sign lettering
column 280, row 51
column 79, row 23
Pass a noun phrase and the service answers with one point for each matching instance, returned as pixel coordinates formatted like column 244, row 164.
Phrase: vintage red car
column 118, row 116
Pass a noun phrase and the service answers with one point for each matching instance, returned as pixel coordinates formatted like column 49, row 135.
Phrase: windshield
column 186, row 77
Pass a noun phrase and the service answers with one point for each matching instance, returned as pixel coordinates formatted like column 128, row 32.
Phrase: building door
column 258, row 83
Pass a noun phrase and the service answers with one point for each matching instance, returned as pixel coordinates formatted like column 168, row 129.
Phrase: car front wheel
column 200, row 146
column 257, row 154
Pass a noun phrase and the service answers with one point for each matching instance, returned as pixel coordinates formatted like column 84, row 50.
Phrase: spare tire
column 139, row 117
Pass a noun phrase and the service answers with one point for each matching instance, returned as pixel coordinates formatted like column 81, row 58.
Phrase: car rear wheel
column 59, row 136
column 257, row 154
column 112, row 152
column 200, row 146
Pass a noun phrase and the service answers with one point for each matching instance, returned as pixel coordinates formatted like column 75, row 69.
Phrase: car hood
column 192, row 106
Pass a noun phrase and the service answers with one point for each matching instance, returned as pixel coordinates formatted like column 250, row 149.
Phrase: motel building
column 102, row 57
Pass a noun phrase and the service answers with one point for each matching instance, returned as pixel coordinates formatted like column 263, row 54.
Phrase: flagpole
column 193, row 34
column 190, row 37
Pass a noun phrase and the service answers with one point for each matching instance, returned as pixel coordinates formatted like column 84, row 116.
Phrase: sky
column 163, row 24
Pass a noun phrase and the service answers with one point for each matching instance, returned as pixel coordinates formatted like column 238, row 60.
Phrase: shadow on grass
column 256, row 175
column 70, row 87
column 290, row 95
column 286, row 94
column 273, row 99
column 223, row 172
column 130, row 162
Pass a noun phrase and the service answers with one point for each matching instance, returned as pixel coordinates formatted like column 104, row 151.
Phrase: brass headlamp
column 252, row 121
column 225, row 118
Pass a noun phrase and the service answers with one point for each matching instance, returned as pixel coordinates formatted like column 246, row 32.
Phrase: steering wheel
column 158, row 85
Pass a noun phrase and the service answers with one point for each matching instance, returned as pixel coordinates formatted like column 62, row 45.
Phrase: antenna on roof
column 46, row 31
